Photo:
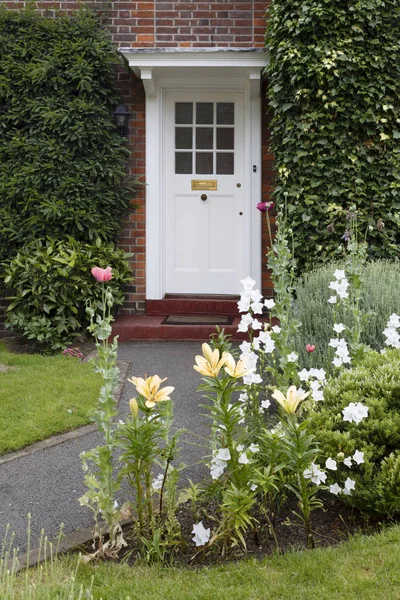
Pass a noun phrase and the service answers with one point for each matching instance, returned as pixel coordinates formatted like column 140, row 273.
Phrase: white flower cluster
column 219, row 462
column 316, row 379
column 391, row 333
column 315, row 474
column 355, row 412
column 251, row 303
column 318, row 476
column 340, row 286
column 341, row 351
column 243, row 458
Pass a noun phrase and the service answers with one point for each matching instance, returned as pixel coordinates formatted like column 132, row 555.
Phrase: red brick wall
column 169, row 23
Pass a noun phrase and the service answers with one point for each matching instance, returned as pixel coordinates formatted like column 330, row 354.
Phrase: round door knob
column 203, row 197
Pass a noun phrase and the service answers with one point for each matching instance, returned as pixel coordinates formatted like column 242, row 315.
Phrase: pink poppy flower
column 310, row 347
column 102, row 275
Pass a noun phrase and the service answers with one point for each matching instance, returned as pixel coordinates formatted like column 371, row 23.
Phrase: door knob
column 203, row 197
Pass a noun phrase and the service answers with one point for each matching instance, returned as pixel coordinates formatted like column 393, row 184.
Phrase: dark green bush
column 376, row 384
column 62, row 161
column 334, row 88
column 381, row 296
column 51, row 282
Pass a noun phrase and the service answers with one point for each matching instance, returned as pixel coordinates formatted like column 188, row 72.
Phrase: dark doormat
column 197, row 320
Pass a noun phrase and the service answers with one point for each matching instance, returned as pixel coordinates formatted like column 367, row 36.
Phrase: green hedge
column 50, row 283
column 376, row 384
column 334, row 87
column 62, row 161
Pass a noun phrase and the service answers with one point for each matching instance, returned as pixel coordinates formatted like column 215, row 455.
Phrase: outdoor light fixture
column 121, row 118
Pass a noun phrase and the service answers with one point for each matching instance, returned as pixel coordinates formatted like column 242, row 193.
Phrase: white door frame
column 163, row 72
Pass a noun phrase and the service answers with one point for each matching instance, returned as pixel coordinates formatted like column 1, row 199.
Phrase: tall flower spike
column 210, row 363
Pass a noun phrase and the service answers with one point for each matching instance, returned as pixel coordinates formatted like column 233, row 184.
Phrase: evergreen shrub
column 51, row 281
column 62, row 160
column 334, row 89
column 376, row 384
column 381, row 296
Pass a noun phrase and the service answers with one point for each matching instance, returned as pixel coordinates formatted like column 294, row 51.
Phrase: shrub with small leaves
column 62, row 160
column 370, row 449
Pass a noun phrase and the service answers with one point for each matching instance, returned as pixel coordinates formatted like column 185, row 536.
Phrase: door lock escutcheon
column 203, row 197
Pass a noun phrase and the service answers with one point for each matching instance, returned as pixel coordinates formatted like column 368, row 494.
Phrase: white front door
column 205, row 234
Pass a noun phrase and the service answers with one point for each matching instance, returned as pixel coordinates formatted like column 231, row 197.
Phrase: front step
column 193, row 305
column 150, row 327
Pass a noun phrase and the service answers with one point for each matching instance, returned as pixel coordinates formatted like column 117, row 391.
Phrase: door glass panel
column 204, row 163
column 184, row 113
column 225, row 138
column 204, row 113
column 225, row 163
column 183, row 138
column 204, row 138
column 183, row 163
column 225, row 113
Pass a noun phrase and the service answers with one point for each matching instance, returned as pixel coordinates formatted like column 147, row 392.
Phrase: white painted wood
column 212, row 57
column 187, row 73
column 205, row 240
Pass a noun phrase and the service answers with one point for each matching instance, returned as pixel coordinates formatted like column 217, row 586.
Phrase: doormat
column 197, row 320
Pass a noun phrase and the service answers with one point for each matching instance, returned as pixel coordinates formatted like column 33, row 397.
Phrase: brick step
column 187, row 305
column 149, row 327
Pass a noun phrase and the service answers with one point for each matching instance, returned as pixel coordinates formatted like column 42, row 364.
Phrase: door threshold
column 202, row 296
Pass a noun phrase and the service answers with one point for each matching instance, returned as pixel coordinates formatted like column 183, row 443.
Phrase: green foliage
column 334, row 88
column 380, row 298
column 62, row 161
column 51, row 282
column 376, row 384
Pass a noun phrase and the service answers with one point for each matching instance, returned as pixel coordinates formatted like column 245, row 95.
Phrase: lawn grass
column 365, row 567
column 42, row 396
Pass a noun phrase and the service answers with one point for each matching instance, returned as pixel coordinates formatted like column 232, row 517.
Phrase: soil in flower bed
column 331, row 525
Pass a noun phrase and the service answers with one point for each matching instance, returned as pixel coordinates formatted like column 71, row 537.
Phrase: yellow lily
column 210, row 363
column 150, row 389
column 291, row 401
column 235, row 370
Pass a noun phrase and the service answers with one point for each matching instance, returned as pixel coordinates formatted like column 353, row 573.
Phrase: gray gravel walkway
column 49, row 482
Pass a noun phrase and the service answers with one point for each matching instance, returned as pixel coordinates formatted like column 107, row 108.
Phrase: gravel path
column 48, row 483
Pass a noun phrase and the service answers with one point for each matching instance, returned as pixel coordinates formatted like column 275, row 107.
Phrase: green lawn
column 42, row 396
column 364, row 568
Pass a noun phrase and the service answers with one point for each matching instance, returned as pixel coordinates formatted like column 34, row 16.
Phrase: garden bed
column 332, row 525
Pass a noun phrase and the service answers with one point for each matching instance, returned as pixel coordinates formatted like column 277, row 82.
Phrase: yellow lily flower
column 210, row 363
column 291, row 401
column 150, row 389
column 235, row 370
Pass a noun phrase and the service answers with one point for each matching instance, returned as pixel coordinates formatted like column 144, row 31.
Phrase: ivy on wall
column 334, row 88
column 62, row 161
